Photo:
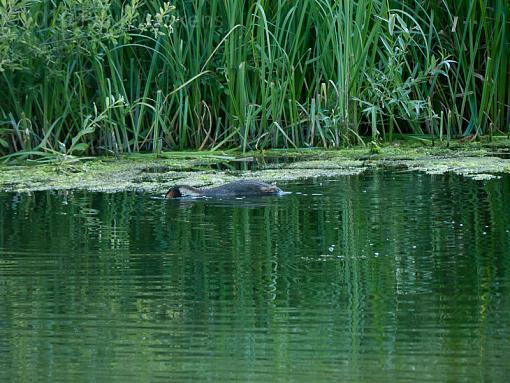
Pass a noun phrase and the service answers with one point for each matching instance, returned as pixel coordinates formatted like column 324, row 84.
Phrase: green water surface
column 382, row 277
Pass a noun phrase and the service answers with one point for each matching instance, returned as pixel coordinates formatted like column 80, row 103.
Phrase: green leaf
column 81, row 147
column 391, row 23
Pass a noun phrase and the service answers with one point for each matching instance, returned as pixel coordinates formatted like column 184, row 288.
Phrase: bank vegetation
column 110, row 77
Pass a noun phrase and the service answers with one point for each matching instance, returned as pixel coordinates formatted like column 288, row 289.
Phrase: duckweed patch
column 146, row 173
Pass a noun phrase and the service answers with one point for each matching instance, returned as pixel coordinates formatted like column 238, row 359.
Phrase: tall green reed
column 476, row 35
column 252, row 75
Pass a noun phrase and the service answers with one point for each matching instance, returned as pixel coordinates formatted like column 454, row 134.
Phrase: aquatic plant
column 105, row 76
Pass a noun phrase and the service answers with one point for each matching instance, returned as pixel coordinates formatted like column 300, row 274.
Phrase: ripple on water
column 375, row 277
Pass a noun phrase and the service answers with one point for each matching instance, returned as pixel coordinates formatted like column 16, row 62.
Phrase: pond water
column 381, row 277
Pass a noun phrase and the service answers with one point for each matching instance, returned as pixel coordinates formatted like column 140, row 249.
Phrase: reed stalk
column 214, row 74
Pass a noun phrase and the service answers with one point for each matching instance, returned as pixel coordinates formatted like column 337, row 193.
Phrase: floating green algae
column 146, row 173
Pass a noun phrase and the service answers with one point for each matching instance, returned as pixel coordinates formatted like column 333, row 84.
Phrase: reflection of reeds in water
column 377, row 265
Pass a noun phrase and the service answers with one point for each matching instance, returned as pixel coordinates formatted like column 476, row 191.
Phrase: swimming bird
column 240, row 188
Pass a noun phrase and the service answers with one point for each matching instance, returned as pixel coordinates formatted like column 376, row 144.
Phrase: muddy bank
column 149, row 174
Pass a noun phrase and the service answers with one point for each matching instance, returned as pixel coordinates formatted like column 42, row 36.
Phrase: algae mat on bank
column 146, row 173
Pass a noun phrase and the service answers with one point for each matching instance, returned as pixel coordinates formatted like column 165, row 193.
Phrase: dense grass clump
column 89, row 77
